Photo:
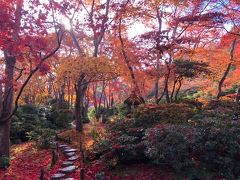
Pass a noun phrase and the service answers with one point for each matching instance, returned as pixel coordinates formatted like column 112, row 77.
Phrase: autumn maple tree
column 26, row 47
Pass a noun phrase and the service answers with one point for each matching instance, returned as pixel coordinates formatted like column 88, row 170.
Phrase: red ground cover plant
column 26, row 162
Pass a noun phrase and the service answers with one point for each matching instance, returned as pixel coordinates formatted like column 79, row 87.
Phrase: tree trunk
column 166, row 85
column 81, row 89
column 178, row 89
column 1, row 98
column 5, row 139
column 68, row 91
column 220, row 84
column 7, row 106
column 225, row 74
column 173, row 90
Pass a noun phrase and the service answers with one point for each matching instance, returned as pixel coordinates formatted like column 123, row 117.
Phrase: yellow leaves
column 93, row 68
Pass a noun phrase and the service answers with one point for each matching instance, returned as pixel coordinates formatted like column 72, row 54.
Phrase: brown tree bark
column 80, row 88
column 7, row 106
column 226, row 72
column 127, row 61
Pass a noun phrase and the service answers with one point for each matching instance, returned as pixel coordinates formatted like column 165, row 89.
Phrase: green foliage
column 121, row 110
column 4, row 162
column 164, row 135
column 43, row 136
column 64, row 118
column 190, row 69
column 218, row 148
column 148, row 116
column 92, row 114
column 25, row 120
column 59, row 118
column 168, row 146
column 102, row 111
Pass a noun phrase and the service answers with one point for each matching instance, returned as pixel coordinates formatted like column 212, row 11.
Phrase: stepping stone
column 57, row 176
column 73, row 158
column 68, row 179
column 67, row 163
column 70, row 154
column 63, row 146
column 70, row 150
column 68, row 169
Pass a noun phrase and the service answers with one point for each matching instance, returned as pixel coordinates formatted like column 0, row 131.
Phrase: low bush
column 25, row 120
column 166, row 145
column 102, row 112
column 149, row 115
column 4, row 162
column 43, row 136
column 218, row 149
column 60, row 118
column 121, row 110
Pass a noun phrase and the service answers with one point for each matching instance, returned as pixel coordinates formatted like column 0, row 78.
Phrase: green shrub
column 4, row 162
column 28, row 109
column 43, row 136
column 60, row 118
column 122, row 145
column 149, row 115
column 64, row 118
column 168, row 146
column 102, row 111
column 121, row 110
column 218, row 148
column 25, row 120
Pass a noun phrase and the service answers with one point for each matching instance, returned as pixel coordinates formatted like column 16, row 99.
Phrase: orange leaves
column 95, row 69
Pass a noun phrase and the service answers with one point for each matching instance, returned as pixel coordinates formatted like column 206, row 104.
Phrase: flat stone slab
column 68, row 169
column 68, row 179
column 70, row 154
column 73, row 158
column 63, row 146
column 70, row 150
column 57, row 176
column 67, row 163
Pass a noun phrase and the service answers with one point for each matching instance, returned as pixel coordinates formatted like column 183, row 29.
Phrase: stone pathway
column 68, row 165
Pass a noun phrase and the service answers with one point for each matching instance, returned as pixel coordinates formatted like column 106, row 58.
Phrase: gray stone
column 57, row 176
column 70, row 150
column 68, row 169
column 73, row 158
column 67, row 163
column 68, row 179
column 63, row 146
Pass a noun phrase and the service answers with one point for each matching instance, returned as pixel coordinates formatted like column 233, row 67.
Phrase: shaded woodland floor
column 27, row 161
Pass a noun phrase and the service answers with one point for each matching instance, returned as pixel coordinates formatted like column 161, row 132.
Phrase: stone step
column 63, row 146
column 67, row 163
column 58, row 176
column 73, row 158
column 68, row 169
column 70, row 150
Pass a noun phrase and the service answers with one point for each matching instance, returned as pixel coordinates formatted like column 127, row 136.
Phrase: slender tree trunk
column 68, row 91
column 173, row 90
column 127, row 61
column 166, row 90
column 225, row 74
column 178, row 89
column 1, row 98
